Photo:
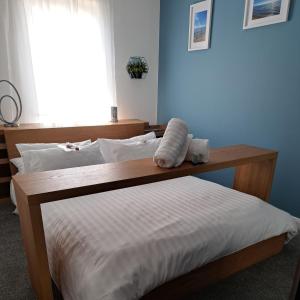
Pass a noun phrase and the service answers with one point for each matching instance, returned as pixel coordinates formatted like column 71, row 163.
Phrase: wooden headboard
column 37, row 133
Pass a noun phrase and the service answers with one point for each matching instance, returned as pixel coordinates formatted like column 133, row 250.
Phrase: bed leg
column 35, row 246
column 256, row 178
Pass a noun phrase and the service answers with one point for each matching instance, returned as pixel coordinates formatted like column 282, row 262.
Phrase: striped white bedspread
column 119, row 245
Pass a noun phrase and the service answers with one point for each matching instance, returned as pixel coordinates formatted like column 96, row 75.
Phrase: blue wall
column 244, row 89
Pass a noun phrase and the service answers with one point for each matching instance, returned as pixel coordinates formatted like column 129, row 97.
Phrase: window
column 72, row 63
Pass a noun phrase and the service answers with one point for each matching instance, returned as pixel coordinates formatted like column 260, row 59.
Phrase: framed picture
column 265, row 12
column 200, row 23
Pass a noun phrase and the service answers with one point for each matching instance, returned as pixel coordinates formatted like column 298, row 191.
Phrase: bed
column 122, row 244
column 211, row 234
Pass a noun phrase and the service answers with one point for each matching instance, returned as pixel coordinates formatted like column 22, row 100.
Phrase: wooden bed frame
column 254, row 175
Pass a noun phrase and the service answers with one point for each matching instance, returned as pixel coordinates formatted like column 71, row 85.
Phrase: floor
column 269, row 280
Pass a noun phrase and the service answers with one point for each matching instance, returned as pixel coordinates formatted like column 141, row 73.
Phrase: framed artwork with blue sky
column 265, row 12
column 200, row 23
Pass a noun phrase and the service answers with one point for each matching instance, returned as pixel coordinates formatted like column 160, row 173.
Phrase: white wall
column 137, row 34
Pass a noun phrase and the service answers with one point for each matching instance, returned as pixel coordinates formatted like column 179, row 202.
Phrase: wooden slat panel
column 4, row 161
column 4, row 169
column 158, row 129
column 2, row 139
column 4, row 189
column 3, row 153
column 5, row 179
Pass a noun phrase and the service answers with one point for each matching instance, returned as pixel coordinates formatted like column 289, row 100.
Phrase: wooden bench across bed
column 254, row 175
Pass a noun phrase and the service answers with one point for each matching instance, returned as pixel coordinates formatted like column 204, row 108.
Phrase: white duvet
column 120, row 245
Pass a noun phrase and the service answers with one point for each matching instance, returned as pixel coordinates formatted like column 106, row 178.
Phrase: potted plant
column 137, row 67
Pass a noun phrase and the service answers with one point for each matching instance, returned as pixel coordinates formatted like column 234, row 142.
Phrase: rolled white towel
column 173, row 144
column 198, row 151
column 183, row 153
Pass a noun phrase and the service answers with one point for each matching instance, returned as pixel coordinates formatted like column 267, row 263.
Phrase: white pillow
column 40, row 146
column 19, row 164
column 13, row 195
column 184, row 150
column 198, row 151
column 113, row 151
column 139, row 138
column 56, row 158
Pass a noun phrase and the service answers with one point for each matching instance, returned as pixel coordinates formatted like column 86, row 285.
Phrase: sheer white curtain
column 15, row 58
column 71, row 49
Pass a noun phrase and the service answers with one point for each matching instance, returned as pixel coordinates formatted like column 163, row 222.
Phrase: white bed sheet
column 119, row 245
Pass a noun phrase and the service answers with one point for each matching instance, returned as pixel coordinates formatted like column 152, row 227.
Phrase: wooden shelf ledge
column 2, row 146
column 32, row 126
column 61, row 184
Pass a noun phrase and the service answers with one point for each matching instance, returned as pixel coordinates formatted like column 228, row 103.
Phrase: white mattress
column 119, row 245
